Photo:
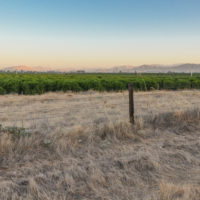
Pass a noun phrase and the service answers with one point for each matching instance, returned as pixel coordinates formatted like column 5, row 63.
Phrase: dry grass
column 170, row 191
column 157, row 159
column 65, row 111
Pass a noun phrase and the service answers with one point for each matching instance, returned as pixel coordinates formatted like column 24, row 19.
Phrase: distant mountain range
column 186, row 68
column 26, row 69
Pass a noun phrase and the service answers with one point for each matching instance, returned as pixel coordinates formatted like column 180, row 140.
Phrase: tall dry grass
column 170, row 191
column 158, row 158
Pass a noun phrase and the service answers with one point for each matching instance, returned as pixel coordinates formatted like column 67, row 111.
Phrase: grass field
column 67, row 110
column 81, row 146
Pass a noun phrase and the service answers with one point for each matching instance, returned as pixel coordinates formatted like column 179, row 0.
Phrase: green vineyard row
column 30, row 84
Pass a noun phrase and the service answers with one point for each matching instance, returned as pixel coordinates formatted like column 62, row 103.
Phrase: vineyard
column 30, row 84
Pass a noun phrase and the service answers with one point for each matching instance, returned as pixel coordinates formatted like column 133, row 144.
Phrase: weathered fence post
column 131, row 103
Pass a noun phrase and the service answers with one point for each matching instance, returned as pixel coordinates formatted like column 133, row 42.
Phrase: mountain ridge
column 181, row 68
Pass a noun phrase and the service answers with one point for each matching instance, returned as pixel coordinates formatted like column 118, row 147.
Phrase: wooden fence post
column 131, row 103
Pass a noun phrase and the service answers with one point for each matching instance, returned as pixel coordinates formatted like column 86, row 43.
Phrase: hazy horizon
column 93, row 69
column 93, row 34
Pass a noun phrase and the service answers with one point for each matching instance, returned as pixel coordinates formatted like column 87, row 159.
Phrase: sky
column 99, row 33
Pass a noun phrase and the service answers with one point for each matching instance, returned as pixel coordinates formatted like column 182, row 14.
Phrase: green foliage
column 30, row 84
column 2, row 90
column 15, row 131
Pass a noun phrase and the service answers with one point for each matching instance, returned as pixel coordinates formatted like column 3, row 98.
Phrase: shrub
column 2, row 90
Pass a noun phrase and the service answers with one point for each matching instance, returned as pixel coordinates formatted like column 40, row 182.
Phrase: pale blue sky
column 94, row 33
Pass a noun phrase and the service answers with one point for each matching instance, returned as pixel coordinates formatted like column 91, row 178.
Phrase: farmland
column 30, row 84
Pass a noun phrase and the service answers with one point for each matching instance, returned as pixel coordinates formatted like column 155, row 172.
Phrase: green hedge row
column 41, row 83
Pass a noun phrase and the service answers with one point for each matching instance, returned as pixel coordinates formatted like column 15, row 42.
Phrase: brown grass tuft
column 170, row 191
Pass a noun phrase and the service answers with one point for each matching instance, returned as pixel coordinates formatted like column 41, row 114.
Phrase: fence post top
column 130, row 84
